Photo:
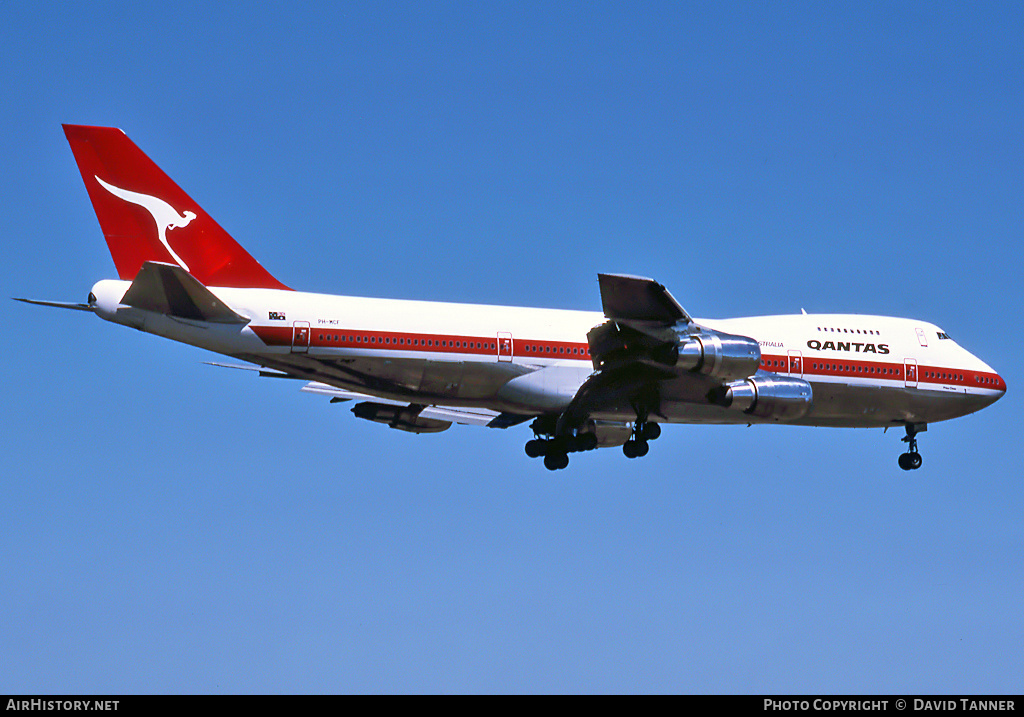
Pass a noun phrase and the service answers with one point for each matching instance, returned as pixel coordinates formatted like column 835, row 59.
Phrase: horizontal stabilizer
column 169, row 289
column 635, row 298
column 58, row 304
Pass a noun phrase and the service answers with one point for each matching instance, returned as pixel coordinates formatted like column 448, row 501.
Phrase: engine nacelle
column 404, row 418
column 724, row 356
column 778, row 397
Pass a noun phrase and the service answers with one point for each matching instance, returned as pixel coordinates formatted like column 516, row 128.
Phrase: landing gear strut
column 643, row 432
column 911, row 460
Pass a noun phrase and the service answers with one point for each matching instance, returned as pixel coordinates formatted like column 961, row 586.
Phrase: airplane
column 583, row 379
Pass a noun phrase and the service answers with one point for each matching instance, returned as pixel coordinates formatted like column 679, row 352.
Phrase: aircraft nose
column 995, row 384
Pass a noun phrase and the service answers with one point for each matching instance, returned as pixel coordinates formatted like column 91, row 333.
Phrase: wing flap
column 451, row 414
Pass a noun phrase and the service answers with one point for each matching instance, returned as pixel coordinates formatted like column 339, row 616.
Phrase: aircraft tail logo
column 165, row 216
column 214, row 257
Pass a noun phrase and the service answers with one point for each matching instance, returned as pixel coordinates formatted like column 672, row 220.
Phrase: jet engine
column 404, row 418
column 778, row 397
column 717, row 354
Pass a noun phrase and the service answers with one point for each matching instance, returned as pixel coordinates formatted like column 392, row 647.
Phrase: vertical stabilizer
column 145, row 216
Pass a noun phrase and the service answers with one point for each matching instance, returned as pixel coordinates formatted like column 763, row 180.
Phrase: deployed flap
column 169, row 289
column 464, row 416
column 635, row 298
column 324, row 389
column 460, row 414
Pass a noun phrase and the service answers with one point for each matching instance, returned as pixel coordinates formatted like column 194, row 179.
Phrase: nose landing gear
column 911, row 460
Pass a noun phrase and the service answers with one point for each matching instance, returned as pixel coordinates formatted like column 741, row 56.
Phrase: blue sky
column 166, row 526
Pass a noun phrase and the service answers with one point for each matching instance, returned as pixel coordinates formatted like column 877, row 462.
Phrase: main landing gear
column 637, row 446
column 556, row 450
column 911, row 460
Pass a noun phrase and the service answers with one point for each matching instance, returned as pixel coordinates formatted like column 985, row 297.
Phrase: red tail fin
column 145, row 216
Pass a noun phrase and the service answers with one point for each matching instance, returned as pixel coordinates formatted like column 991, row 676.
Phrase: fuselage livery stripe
column 428, row 343
column 533, row 348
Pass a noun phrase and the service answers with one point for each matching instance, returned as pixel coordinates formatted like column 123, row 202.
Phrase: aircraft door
column 910, row 367
column 300, row 337
column 796, row 364
column 504, row 346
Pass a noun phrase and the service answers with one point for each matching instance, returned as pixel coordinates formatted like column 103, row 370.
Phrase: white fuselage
column 864, row 370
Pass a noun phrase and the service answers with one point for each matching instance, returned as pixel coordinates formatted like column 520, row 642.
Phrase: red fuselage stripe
column 884, row 370
column 527, row 348
column 428, row 343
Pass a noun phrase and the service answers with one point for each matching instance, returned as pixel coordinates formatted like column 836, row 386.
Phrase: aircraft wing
column 412, row 416
column 633, row 351
column 643, row 322
column 404, row 415
column 636, row 298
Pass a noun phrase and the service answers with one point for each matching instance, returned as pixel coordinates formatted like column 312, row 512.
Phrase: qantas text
column 845, row 346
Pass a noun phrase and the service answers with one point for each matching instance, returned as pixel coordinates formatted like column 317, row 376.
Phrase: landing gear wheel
column 556, row 461
column 635, row 449
column 910, row 461
column 536, row 448
column 650, row 431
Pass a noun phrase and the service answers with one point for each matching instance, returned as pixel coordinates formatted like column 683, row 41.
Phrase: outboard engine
column 766, row 396
column 713, row 353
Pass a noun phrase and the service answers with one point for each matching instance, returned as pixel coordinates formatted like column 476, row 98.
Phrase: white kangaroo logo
column 165, row 216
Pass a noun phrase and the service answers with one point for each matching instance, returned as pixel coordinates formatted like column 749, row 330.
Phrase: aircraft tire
column 910, row 461
column 536, row 448
column 556, row 461
column 650, row 432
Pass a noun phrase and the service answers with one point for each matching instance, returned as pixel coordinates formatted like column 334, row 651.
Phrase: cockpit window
column 943, row 335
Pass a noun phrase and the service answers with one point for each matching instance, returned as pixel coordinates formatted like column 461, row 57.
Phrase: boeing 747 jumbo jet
column 583, row 379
